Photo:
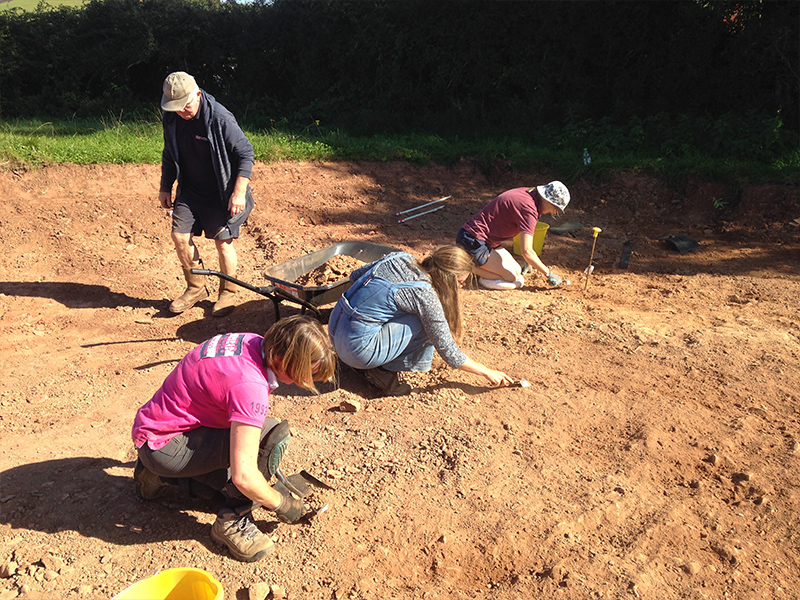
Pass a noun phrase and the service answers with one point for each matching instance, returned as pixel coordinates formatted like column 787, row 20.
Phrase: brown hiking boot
column 148, row 485
column 243, row 539
column 195, row 291
column 227, row 299
column 386, row 381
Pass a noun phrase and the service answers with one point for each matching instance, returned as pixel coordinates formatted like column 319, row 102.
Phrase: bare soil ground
column 655, row 455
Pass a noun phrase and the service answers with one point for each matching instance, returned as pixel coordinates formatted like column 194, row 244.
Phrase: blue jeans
column 364, row 340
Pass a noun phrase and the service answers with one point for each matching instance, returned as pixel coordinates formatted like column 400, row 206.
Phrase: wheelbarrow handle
column 269, row 291
column 263, row 290
column 284, row 295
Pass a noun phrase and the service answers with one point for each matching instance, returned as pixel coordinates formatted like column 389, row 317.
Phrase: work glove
column 290, row 509
column 553, row 279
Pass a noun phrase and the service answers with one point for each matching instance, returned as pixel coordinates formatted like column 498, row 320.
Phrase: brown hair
column 444, row 266
column 296, row 345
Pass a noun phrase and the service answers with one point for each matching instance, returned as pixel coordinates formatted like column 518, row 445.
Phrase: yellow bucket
column 174, row 584
column 538, row 239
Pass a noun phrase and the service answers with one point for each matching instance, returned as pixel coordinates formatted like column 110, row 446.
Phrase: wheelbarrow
column 283, row 276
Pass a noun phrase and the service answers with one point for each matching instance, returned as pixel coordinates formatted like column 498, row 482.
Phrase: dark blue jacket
column 231, row 152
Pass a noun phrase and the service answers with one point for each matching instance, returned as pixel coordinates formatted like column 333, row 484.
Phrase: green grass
column 32, row 143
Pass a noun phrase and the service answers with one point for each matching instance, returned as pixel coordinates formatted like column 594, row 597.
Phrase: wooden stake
column 595, row 231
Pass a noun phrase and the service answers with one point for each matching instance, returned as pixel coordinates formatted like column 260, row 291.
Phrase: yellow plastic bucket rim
column 167, row 574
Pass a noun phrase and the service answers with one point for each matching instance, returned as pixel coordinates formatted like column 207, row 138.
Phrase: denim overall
column 369, row 330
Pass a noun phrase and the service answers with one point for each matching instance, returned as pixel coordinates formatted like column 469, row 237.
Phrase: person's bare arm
column 245, row 440
column 496, row 378
column 530, row 256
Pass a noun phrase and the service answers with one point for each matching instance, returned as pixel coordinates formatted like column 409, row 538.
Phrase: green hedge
column 445, row 67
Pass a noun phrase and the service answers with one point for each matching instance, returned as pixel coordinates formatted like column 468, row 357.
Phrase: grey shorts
column 202, row 454
column 477, row 249
column 195, row 216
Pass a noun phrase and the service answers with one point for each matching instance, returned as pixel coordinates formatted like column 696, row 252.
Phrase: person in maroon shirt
column 514, row 212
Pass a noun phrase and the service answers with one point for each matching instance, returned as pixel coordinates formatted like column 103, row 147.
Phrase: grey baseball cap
column 556, row 193
column 177, row 88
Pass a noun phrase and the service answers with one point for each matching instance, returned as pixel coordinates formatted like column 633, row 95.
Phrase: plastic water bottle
column 587, row 160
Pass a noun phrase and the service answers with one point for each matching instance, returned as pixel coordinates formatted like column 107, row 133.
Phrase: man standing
column 209, row 155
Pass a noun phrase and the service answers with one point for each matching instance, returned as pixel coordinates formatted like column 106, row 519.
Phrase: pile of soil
column 654, row 456
column 331, row 271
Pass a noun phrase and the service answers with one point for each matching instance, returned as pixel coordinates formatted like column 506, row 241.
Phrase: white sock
column 498, row 284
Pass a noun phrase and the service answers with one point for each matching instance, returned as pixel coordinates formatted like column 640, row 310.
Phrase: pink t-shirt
column 220, row 381
column 512, row 212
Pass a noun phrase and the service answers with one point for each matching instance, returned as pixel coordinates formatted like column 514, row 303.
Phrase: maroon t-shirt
column 512, row 212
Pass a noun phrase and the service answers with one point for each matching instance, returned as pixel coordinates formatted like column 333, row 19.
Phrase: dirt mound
column 654, row 456
column 337, row 268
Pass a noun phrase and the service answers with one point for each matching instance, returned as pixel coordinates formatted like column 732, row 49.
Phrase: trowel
column 299, row 484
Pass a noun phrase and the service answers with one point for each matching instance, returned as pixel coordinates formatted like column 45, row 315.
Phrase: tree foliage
column 447, row 66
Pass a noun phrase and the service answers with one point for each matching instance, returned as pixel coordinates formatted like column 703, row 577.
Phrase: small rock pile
column 337, row 268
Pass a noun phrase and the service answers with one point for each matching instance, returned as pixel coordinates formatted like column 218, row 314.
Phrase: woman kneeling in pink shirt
column 207, row 429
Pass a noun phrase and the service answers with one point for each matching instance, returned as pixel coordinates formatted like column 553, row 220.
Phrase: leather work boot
column 196, row 291
column 386, row 381
column 148, row 485
column 243, row 539
column 227, row 299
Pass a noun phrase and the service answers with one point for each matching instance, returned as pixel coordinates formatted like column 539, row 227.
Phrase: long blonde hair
column 445, row 266
column 299, row 346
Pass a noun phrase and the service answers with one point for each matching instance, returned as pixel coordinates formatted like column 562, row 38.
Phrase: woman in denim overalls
column 397, row 311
